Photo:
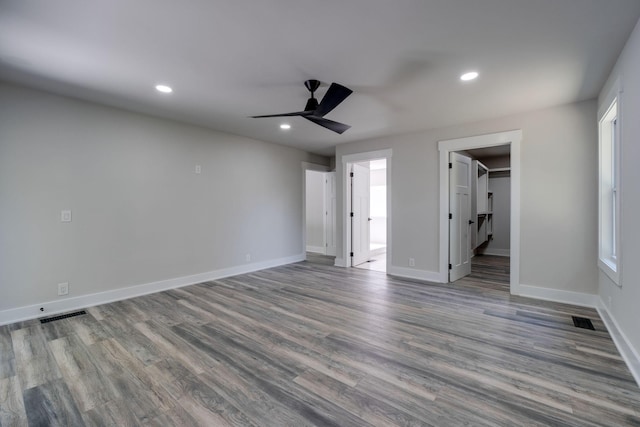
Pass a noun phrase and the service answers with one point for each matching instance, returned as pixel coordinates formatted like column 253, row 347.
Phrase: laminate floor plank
column 51, row 404
column 12, row 411
column 89, row 329
column 7, row 356
column 93, row 389
column 35, row 364
column 21, row 325
column 241, row 391
column 139, row 345
column 137, row 376
column 114, row 413
column 176, row 416
column 406, row 395
column 530, row 370
column 309, row 344
column 270, row 376
column 172, row 346
column 72, row 356
column 297, row 353
column 368, row 408
column 494, row 410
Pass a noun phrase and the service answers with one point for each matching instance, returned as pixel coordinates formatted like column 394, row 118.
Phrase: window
column 609, row 189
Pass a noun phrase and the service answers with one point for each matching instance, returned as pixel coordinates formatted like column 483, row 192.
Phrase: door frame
column 512, row 138
column 347, row 160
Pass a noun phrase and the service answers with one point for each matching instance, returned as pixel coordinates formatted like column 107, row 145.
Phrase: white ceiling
column 229, row 59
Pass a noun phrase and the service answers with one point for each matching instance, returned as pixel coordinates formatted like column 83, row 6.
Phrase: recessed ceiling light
column 164, row 89
column 285, row 126
column 472, row 75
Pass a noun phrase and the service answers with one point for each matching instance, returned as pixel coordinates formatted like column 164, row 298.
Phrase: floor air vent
column 582, row 322
column 62, row 316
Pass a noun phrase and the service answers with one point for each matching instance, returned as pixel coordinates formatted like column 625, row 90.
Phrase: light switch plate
column 63, row 288
column 198, row 169
column 65, row 216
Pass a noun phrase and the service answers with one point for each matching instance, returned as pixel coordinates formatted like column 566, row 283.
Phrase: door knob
column 471, row 222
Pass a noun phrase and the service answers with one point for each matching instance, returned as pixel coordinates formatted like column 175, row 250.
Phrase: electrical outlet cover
column 63, row 288
column 65, row 216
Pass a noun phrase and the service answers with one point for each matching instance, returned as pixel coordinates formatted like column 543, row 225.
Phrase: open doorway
column 320, row 213
column 367, row 195
column 480, row 223
column 489, row 222
column 369, row 222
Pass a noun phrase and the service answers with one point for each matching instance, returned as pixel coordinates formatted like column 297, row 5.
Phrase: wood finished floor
column 311, row 344
column 489, row 271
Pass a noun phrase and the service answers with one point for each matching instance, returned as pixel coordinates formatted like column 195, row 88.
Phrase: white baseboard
column 316, row 249
column 413, row 273
column 628, row 352
column 496, row 252
column 54, row 307
column 556, row 295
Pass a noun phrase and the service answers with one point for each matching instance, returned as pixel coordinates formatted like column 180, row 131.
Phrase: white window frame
column 609, row 183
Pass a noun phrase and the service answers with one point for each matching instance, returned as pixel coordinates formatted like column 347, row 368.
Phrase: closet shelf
column 500, row 172
column 482, row 204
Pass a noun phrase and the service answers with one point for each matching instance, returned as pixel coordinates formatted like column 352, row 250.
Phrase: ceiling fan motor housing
column 312, row 103
column 312, row 85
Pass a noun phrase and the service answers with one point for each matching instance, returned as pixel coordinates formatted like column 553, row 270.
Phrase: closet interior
column 490, row 201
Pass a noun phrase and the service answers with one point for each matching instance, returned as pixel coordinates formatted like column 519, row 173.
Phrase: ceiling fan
column 315, row 112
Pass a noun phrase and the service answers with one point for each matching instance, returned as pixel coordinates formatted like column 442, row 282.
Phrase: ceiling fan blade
column 329, row 124
column 334, row 96
column 297, row 113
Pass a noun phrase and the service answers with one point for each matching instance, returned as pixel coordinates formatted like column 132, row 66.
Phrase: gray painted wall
column 140, row 213
column 624, row 300
column 559, row 203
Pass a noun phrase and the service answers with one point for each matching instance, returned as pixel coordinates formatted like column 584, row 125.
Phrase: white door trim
column 346, row 197
column 512, row 138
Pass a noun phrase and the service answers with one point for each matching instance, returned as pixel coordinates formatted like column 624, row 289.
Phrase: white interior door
column 330, row 213
column 360, row 210
column 460, row 216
